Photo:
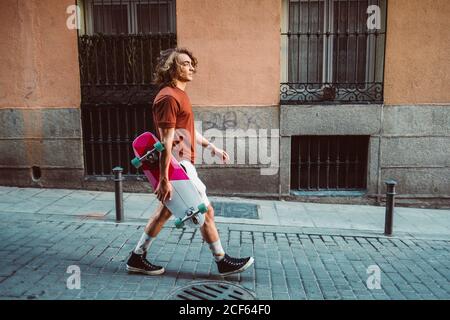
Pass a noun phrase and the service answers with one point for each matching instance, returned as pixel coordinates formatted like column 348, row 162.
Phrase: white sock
column 143, row 244
column 217, row 250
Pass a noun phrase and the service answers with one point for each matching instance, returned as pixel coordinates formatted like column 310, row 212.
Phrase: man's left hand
column 220, row 153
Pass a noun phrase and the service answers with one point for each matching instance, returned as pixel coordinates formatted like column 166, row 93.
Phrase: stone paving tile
column 36, row 251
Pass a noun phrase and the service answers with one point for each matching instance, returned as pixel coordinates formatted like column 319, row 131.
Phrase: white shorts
column 193, row 176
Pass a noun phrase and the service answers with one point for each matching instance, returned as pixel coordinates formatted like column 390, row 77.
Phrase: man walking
column 174, row 123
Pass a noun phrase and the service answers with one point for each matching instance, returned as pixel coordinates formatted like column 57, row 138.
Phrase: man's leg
column 226, row 264
column 209, row 230
column 137, row 261
column 157, row 220
column 211, row 235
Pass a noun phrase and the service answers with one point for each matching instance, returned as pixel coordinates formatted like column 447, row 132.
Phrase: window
column 328, row 52
column 152, row 17
column 332, row 163
column 118, row 43
column 111, row 19
column 127, row 16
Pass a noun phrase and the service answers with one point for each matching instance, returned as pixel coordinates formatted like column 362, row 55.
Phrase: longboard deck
column 185, row 195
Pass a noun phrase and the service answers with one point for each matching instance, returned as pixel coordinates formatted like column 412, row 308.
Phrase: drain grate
column 235, row 210
column 211, row 290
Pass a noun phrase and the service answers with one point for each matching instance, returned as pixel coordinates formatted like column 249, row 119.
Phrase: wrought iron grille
column 329, row 54
column 329, row 162
column 119, row 42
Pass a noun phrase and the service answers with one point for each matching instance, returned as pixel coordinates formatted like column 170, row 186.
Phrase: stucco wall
column 40, row 122
column 38, row 55
column 417, row 52
column 238, row 46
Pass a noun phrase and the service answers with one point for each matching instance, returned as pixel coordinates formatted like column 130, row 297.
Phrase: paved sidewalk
column 302, row 251
column 139, row 207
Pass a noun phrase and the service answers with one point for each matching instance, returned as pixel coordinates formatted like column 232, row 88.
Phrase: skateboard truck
column 191, row 214
column 149, row 155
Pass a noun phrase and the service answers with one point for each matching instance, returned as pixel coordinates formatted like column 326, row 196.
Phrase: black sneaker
column 229, row 265
column 139, row 263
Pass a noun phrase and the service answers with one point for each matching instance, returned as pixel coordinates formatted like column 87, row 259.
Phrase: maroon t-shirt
column 173, row 109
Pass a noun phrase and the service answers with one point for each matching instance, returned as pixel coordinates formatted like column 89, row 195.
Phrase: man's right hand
column 164, row 190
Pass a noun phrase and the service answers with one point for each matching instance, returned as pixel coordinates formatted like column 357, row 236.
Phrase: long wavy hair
column 167, row 68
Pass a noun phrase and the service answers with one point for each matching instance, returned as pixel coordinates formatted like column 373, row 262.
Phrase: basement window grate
column 329, row 163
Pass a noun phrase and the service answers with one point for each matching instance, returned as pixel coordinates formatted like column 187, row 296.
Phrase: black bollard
column 119, row 193
column 390, row 202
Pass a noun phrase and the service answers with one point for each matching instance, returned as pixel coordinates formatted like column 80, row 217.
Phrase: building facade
column 329, row 98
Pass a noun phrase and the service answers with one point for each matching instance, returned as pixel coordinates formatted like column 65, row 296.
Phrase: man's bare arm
column 201, row 139
column 164, row 189
column 214, row 150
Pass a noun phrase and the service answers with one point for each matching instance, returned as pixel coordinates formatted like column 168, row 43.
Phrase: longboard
column 186, row 204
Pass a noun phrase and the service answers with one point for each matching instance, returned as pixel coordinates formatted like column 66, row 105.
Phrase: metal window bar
column 118, row 48
column 331, row 163
column 332, row 57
